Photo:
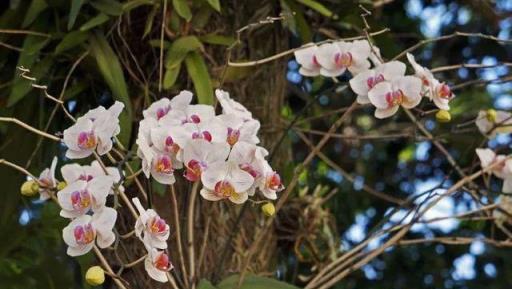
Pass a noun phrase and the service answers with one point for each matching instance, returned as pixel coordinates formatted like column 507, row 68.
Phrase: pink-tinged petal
column 332, row 73
column 79, row 251
column 441, row 103
column 486, row 156
column 392, row 69
column 209, row 195
column 507, row 185
column 71, row 134
column 215, row 173
column 386, row 112
column 99, row 188
column 239, row 198
column 64, row 198
column 306, row 57
column 157, row 109
column 359, row 66
column 360, row 83
column 377, row 95
column 200, row 113
column 166, row 179
column 182, row 100
column 116, row 109
column 410, row 86
column 326, row 56
column 71, row 172
column 309, row 72
column 360, row 49
column 240, row 179
column 103, row 221
column 72, row 154
column 230, row 106
column 363, row 99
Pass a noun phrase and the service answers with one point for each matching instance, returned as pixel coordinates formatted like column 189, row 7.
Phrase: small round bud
column 443, row 116
column 95, row 276
column 491, row 115
column 29, row 188
column 61, row 186
column 268, row 209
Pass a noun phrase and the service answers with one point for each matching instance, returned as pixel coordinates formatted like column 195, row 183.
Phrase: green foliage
column 199, row 74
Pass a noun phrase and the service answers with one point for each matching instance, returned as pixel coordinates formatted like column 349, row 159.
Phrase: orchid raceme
column 83, row 232
column 152, row 230
column 93, row 131
column 490, row 122
column 47, row 181
column 388, row 96
column 337, row 57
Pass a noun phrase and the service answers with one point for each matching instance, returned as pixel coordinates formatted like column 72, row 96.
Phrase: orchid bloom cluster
column 153, row 231
column 384, row 85
column 83, row 194
column 220, row 151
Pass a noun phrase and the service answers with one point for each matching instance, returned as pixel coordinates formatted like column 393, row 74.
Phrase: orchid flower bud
column 443, row 116
column 491, row 115
column 29, row 188
column 95, row 276
column 268, row 209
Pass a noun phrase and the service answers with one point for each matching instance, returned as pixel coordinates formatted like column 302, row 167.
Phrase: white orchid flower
column 362, row 83
column 81, row 233
column 199, row 155
column 307, row 59
column 490, row 122
column 438, row 92
column 81, row 197
column 388, row 96
column 160, row 108
column 47, row 181
column 213, row 131
column 489, row 158
column 93, row 131
column 230, row 106
column 152, row 230
column 240, row 130
column 75, row 172
column 157, row 265
column 226, row 181
column 335, row 58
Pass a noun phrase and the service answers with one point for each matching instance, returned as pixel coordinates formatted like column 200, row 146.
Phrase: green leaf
column 179, row 49
column 75, row 9
column 216, row 39
column 98, row 20
column 205, row 284
column 215, row 4
column 182, row 9
column 170, row 76
column 149, row 22
column 254, row 282
column 110, row 7
column 71, row 40
column 317, row 6
column 130, row 5
column 112, row 72
column 200, row 77
column 35, row 8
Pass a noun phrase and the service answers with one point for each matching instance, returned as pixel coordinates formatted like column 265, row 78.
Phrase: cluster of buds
column 385, row 85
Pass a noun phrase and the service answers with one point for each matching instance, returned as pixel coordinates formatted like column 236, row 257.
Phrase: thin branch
column 30, row 128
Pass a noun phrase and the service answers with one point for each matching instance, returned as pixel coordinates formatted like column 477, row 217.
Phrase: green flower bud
column 95, row 276
column 61, row 186
column 268, row 209
column 443, row 116
column 491, row 115
column 30, row 188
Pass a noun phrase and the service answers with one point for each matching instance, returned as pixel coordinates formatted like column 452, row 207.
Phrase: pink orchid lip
column 158, row 225
column 233, row 136
column 162, row 262
column 274, row 182
column 84, row 234
column 343, row 59
column 162, row 111
column 86, row 140
column 164, row 165
column 81, row 200
column 444, row 91
column 394, row 98
column 206, row 135
column 195, row 118
column 194, row 170
column 250, row 169
column 224, row 189
column 374, row 80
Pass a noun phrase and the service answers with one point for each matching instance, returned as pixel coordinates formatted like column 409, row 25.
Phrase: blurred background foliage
column 106, row 50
